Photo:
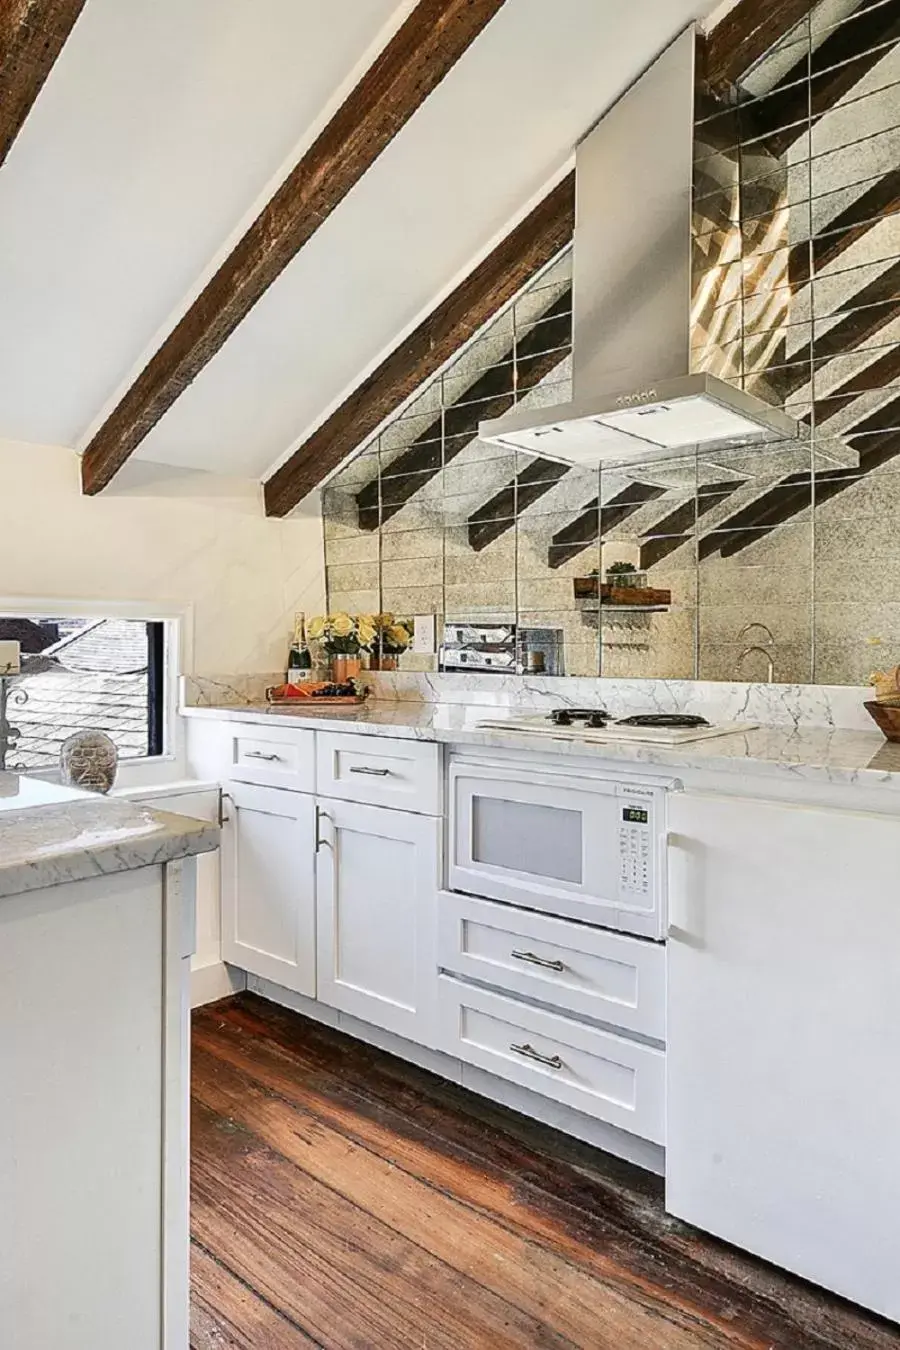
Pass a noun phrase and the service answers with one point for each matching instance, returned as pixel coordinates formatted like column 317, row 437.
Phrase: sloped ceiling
column 163, row 127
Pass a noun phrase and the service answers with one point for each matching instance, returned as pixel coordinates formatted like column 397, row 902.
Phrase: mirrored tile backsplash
column 779, row 561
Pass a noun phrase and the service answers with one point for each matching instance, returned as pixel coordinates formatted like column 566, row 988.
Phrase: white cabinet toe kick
column 689, row 979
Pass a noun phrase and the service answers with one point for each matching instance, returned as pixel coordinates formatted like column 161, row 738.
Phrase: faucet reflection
column 764, row 651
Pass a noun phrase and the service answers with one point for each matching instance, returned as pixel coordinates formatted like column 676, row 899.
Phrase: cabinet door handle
column 376, row 773
column 258, row 754
column 535, row 960
column 529, row 1052
column 223, row 798
column 320, row 842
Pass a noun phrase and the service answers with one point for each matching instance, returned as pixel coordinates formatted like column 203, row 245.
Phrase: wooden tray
column 336, row 701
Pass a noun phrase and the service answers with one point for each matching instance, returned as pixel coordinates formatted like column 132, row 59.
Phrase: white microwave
column 573, row 844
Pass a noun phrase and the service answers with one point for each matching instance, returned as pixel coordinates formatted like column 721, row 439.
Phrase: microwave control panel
column 635, row 848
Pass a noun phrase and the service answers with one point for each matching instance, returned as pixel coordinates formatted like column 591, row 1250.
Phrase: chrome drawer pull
column 376, row 773
column 534, row 960
column 529, row 1052
column 258, row 754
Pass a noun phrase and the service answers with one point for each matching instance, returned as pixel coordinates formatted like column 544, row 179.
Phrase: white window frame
column 145, row 770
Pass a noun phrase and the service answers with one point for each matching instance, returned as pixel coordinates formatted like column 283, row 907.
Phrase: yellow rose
column 397, row 636
column 341, row 625
column 383, row 621
column 316, row 628
column 366, row 631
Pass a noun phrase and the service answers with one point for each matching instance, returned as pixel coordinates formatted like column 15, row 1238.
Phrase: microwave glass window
column 526, row 837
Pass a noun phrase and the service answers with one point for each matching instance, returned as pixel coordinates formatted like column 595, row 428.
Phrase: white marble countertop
column 51, row 835
column 824, row 755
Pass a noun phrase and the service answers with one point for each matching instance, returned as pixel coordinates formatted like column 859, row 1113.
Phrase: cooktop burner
column 599, row 717
column 596, row 726
column 663, row 720
column 592, row 717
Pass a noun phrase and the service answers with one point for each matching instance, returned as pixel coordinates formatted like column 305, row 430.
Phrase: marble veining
column 829, row 755
column 788, row 705
column 222, row 691
column 78, row 836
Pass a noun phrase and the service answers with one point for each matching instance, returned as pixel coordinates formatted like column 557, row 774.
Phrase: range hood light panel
column 586, row 440
column 684, row 421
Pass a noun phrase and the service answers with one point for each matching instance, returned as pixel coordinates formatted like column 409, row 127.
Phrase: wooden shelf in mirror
column 621, row 597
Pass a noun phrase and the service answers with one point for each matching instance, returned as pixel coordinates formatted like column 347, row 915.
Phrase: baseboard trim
column 215, row 981
column 565, row 1118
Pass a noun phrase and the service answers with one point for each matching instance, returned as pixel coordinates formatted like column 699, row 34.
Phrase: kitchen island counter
column 50, row 835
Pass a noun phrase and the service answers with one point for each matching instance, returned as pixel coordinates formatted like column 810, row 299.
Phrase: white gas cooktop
column 579, row 730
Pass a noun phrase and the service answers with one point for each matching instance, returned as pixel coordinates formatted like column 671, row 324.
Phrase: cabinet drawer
column 608, row 976
column 603, row 1075
column 276, row 757
column 378, row 771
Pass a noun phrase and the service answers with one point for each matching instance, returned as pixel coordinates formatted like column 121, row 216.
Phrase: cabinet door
column 268, row 885
column 377, row 903
column 784, row 1005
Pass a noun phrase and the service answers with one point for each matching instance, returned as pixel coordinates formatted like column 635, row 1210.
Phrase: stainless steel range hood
column 635, row 396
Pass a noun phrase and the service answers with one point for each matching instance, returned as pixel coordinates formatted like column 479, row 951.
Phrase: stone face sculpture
column 90, row 760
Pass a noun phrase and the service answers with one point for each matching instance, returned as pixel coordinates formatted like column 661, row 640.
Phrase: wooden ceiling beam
column 877, row 438
column 32, row 35
column 744, row 36
column 728, row 52
column 595, row 520
column 423, row 50
column 863, row 214
column 501, row 511
column 491, row 394
column 532, row 244
column 815, row 84
column 679, row 525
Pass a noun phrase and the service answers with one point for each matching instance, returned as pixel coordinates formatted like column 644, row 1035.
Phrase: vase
column 345, row 668
column 383, row 662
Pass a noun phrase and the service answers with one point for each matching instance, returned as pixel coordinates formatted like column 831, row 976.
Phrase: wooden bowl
column 887, row 717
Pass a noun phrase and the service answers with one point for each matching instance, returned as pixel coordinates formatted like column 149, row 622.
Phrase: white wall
column 166, row 537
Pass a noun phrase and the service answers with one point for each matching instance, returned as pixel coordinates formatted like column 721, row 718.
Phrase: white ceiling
column 159, row 128
column 132, row 175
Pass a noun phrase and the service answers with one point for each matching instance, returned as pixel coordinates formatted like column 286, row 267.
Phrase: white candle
column 10, row 658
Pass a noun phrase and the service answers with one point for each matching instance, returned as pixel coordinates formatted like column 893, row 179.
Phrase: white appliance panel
column 578, row 847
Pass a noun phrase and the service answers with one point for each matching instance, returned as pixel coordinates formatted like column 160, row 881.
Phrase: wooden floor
column 343, row 1199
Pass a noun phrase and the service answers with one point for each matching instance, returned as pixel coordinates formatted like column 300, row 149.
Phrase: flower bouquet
column 393, row 637
column 343, row 636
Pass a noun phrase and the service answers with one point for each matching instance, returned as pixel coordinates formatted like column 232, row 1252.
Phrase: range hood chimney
column 634, row 396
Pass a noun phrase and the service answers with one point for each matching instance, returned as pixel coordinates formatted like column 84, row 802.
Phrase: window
column 83, row 674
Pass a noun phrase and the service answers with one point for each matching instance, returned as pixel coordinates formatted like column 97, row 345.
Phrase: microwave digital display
column 637, row 815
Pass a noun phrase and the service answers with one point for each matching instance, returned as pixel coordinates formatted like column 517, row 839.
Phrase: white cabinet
column 613, row 1078
column 783, row 1062
column 376, row 892
column 93, row 1131
column 268, row 884
column 608, row 977
column 378, row 771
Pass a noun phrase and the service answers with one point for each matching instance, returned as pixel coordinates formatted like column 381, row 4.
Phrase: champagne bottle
column 299, row 667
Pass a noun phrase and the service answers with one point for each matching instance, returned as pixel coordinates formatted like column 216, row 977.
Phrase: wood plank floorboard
column 346, row 1200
